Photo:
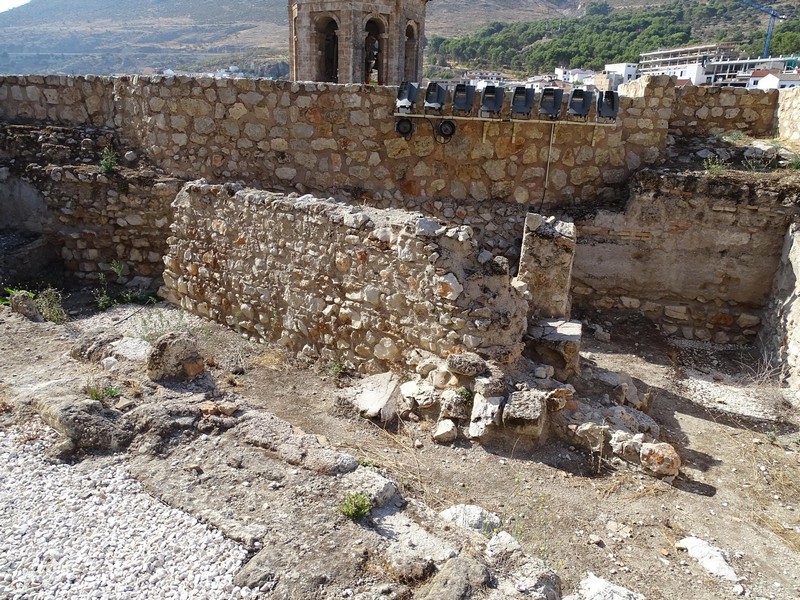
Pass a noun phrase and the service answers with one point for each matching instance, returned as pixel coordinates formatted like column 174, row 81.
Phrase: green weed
column 109, row 161
column 5, row 295
column 715, row 165
column 356, row 506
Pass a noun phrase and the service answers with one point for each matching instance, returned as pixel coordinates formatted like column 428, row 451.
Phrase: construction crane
column 772, row 16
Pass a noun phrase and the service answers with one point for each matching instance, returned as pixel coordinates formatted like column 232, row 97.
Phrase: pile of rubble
column 468, row 397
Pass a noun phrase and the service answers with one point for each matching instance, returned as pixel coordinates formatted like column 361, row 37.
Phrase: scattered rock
column 471, row 516
column 94, row 345
column 441, row 378
column 175, row 356
column 446, row 431
column 502, row 544
column 712, row 559
column 485, row 412
column 526, row 413
column 660, row 459
column 87, row 423
column 458, row 579
column 419, row 393
column 376, row 487
column 596, row 588
column 533, row 579
column 466, row 363
column 377, row 396
column 22, row 303
column 454, row 405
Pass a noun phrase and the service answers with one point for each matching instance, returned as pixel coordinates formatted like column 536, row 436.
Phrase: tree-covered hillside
column 605, row 35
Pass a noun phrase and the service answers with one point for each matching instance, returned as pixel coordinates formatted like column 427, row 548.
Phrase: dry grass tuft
column 274, row 359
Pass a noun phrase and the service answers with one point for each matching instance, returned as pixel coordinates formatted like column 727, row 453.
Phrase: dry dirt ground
column 736, row 431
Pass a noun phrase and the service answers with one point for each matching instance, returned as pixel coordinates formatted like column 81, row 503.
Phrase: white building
column 779, row 81
column 573, row 75
column 626, row 71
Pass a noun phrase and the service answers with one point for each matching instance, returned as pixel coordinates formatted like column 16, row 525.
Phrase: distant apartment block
column 712, row 64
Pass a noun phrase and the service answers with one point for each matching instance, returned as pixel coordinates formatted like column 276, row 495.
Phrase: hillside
column 606, row 35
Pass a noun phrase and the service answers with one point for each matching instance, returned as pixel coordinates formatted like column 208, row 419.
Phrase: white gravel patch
column 77, row 532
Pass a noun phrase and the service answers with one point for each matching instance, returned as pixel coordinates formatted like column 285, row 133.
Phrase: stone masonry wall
column 695, row 254
column 340, row 138
column 708, row 110
column 58, row 99
column 789, row 115
column 360, row 286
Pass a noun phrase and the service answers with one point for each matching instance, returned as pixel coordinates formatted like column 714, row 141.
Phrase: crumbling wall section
column 98, row 219
column 780, row 336
column 91, row 218
column 695, row 254
column 359, row 286
column 711, row 110
column 789, row 115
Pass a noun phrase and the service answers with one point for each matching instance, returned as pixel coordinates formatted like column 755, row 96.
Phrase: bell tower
column 340, row 41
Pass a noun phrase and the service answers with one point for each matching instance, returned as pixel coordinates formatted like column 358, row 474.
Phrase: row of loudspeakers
column 522, row 101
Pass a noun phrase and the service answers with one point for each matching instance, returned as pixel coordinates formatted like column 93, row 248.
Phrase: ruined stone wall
column 90, row 218
column 357, row 285
column 789, row 115
column 709, row 110
column 780, row 336
column 695, row 254
column 97, row 219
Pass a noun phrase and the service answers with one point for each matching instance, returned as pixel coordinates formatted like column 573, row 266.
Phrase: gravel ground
column 91, row 532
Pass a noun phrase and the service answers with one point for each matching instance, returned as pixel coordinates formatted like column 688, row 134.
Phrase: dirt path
column 739, row 489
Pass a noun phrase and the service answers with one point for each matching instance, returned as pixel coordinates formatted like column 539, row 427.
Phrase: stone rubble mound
column 467, row 397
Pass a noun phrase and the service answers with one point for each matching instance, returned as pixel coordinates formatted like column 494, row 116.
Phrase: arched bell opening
column 327, row 31
column 411, row 64
column 375, row 60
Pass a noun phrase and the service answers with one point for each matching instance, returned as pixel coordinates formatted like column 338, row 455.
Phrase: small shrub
column 356, row 505
column 369, row 464
column 49, row 303
column 758, row 163
column 794, row 163
column 715, row 165
column 466, row 394
column 151, row 326
column 109, row 161
column 102, row 297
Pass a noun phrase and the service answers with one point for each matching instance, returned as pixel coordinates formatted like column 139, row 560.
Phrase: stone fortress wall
column 323, row 138
column 339, row 140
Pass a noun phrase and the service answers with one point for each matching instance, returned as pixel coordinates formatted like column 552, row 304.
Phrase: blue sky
column 9, row 4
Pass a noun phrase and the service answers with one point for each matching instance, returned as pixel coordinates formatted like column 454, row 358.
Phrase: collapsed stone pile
column 467, row 397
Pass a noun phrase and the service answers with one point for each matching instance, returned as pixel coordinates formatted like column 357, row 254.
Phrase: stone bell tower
column 343, row 41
